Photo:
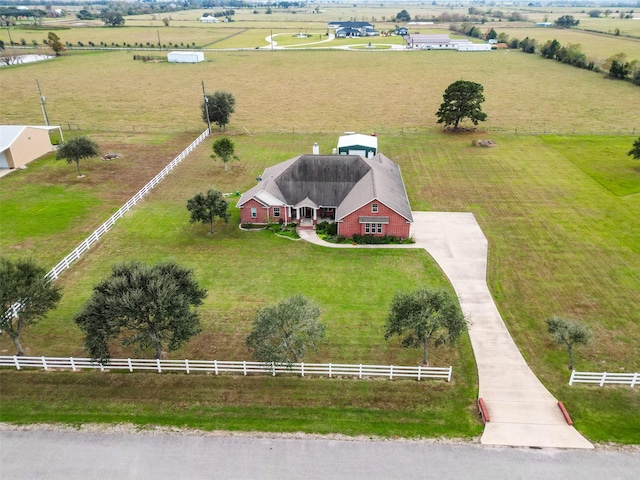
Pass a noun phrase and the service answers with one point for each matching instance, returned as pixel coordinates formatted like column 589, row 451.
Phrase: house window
column 254, row 212
column 276, row 211
column 372, row 228
column 374, row 208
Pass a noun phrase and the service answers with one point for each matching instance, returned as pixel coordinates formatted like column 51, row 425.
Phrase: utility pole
column 206, row 107
column 42, row 100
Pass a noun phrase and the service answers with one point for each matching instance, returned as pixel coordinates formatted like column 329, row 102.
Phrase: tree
column 76, row 149
column 619, row 69
column 635, row 151
column 550, row 49
column 284, row 332
column 403, row 16
column 424, row 316
column 568, row 333
column 218, row 108
column 150, row 307
column 25, row 297
column 223, row 148
column 112, row 19
column 491, row 35
column 204, row 208
column 55, row 43
column 567, row 21
column 462, row 99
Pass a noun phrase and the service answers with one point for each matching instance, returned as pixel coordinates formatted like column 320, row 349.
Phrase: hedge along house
column 358, row 144
column 364, row 196
column 21, row 144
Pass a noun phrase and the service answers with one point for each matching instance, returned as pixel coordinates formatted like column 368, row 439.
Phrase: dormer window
column 374, row 208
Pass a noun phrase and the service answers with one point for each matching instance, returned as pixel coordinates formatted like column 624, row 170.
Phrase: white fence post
column 158, row 363
column 634, row 380
column 130, row 365
column 15, row 360
column 186, row 365
column 273, row 369
column 44, row 363
column 573, row 372
column 329, row 370
column 73, row 365
column 360, row 372
column 302, row 369
column 604, row 377
column 390, row 372
column 419, row 371
column 449, row 376
column 215, row 366
column 244, row 368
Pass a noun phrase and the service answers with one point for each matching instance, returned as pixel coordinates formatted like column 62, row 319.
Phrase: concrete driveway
column 522, row 412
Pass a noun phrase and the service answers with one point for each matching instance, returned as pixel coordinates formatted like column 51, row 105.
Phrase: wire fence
column 378, row 130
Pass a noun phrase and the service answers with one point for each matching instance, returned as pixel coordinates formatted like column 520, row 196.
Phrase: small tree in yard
column 568, row 333
column 204, row 208
column 77, row 149
column 223, row 148
column 635, row 151
column 218, row 108
column 462, row 99
column 22, row 284
column 425, row 316
column 55, row 43
column 150, row 307
column 283, row 333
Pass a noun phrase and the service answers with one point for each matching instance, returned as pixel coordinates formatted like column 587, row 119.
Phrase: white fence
column 219, row 367
column 91, row 239
column 601, row 378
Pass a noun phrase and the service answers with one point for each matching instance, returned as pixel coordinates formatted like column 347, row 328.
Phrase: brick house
column 364, row 196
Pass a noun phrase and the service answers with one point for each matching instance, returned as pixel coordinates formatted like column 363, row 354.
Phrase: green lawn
column 283, row 404
column 560, row 243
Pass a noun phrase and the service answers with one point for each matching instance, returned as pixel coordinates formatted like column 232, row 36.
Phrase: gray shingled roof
column 344, row 181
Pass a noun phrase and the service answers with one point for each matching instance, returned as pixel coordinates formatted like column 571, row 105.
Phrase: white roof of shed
column 358, row 139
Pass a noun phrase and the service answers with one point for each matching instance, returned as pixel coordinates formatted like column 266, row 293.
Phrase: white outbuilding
column 357, row 144
column 474, row 47
column 185, row 57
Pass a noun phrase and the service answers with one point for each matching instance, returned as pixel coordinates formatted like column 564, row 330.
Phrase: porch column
column 315, row 214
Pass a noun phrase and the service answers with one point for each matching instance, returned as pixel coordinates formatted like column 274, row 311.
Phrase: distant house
column 358, row 144
column 209, row 19
column 347, row 29
column 402, row 31
column 364, row 196
column 544, row 24
column 185, row 57
column 348, row 32
column 21, row 144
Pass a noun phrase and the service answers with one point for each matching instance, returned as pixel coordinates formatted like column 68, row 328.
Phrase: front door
column 307, row 212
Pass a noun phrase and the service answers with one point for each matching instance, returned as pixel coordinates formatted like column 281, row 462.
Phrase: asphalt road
column 69, row 455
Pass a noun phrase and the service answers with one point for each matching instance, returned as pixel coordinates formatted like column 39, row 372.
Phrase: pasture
column 560, row 213
column 335, row 91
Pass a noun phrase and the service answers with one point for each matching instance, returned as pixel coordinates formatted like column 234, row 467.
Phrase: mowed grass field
column 560, row 226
